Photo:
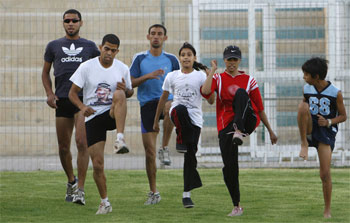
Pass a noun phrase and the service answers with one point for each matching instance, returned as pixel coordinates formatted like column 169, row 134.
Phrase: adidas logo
column 72, row 52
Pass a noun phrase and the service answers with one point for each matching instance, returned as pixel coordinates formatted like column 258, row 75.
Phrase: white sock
column 186, row 194
column 120, row 136
column 105, row 201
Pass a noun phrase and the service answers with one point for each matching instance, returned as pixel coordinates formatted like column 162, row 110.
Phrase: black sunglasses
column 71, row 20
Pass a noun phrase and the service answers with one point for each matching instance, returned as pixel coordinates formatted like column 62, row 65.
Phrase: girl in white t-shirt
column 186, row 113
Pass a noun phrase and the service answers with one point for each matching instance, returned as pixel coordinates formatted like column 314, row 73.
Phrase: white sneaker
column 103, row 209
column 237, row 211
column 79, row 196
column 153, row 198
column 164, row 157
column 120, row 146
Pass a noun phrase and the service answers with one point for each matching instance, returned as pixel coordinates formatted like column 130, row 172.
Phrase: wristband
column 329, row 123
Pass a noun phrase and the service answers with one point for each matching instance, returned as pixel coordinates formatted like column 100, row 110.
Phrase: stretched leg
column 167, row 125
column 64, row 130
column 96, row 152
column 149, row 143
column 229, row 154
column 83, row 154
column 325, row 156
column 305, row 128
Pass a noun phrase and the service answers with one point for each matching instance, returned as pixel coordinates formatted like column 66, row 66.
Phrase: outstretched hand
column 156, row 74
column 121, row 85
column 214, row 66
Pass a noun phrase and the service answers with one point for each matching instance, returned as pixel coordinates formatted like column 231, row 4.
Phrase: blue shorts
column 148, row 112
column 322, row 134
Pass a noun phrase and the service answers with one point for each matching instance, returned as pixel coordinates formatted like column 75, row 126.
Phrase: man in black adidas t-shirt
column 66, row 54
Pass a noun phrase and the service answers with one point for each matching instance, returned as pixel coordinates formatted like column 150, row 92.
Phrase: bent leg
column 149, row 140
column 96, row 152
column 325, row 157
column 64, row 130
column 118, row 110
column 242, row 108
column 183, row 124
column 191, row 176
column 305, row 127
column 83, row 154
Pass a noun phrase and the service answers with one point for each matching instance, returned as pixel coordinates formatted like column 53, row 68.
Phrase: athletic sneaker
column 120, row 146
column 70, row 190
column 153, row 198
column 181, row 148
column 104, row 209
column 237, row 211
column 187, row 202
column 164, row 157
column 79, row 196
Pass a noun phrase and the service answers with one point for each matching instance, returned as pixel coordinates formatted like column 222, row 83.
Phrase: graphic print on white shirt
column 186, row 91
column 103, row 95
column 99, row 83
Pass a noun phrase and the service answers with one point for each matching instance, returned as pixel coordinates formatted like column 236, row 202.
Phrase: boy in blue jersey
column 318, row 117
column 148, row 71
column 65, row 55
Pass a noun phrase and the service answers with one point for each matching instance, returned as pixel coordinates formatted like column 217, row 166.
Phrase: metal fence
column 276, row 37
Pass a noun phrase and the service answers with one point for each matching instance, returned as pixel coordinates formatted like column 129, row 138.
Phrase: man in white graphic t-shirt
column 108, row 77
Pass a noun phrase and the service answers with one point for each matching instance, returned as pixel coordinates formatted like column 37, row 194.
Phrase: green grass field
column 267, row 195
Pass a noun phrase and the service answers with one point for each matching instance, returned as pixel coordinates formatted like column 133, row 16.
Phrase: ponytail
column 198, row 66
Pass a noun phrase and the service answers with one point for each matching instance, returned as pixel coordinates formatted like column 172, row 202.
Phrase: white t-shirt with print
column 99, row 83
column 186, row 91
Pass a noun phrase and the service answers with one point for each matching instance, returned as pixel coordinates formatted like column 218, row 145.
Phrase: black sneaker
column 181, row 148
column 187, row 202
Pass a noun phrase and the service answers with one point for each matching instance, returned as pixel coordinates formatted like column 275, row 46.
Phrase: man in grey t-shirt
column 66, row 54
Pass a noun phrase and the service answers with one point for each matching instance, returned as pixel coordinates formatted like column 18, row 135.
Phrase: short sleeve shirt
column 226, row 85
column 66, row 56
column 99, row 83
column 186, row 91
column 144, row 63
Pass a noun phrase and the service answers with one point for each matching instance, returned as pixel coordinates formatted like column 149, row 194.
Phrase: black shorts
column 148, row 112
column 96, row 128
column 322, row 134
column 65, row 108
